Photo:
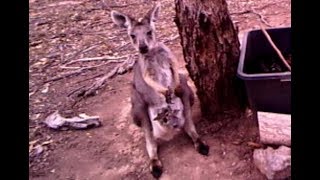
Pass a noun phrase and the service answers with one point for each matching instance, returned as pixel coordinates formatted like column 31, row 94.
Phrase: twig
column 124, row 5
column 61, row 53
column 93, row 77
column 108, row 7
column 261, row 17
column 241, row 12
column 66, row 75
column 75, row 90
column 76, row 67
column 119, row 69
column 63, row 3
column 123, row 46
column 172, row 38
column 250, row 11
column 275, row 48
column 91, row 90
column 82, row 51
column 253, row 11
column 102, row 58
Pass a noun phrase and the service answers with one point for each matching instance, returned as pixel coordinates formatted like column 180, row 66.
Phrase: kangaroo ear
column 153, row 14
column 120, row 19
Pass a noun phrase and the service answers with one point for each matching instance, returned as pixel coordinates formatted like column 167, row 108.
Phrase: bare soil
column 62, row 31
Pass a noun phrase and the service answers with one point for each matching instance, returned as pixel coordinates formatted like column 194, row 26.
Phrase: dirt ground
column 62, row 31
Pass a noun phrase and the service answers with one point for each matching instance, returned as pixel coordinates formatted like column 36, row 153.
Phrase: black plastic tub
column 268, row 92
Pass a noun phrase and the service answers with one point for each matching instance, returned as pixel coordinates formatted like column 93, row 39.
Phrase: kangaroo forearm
column 156, row 86
column 175, row 73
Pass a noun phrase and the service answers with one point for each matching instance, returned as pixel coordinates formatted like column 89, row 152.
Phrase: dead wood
column 253, row 11
column 100, row 83
column 66, row 75
column 171, row 38
column 82, row 51
column 275, row 48
column 102, row 58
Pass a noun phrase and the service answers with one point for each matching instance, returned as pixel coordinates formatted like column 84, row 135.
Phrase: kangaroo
column 161, row 99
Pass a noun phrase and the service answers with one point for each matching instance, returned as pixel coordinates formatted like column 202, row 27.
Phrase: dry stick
column 61, row 53
column 78, row 71
column 120, row 69
column 172, row 38
column 275, row 48
column 76, row 67
column 253, row 11
column 98, row 75
column 250, row 11
column 75, row 90
column 124, row 5
column 82, row 51
column 93, row 77
column 261, row 17
column 241, row 12
column 102, row 58
column 109, row 7
column 97, row 85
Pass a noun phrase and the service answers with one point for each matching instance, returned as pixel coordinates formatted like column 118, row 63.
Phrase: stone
column 274, row 163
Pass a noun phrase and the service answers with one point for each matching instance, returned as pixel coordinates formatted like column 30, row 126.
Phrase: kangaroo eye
column 132, row 36
column 149, row 33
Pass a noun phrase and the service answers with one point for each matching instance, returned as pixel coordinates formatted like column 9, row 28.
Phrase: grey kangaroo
column 161, row 98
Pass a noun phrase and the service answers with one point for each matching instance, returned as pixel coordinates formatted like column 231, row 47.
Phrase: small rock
column 38, row 150
column 35, row 117
column 274, row 163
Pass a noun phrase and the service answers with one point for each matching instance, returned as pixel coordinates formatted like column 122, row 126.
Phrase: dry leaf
column 254, row 145
column 47, row 142
column 46, row 89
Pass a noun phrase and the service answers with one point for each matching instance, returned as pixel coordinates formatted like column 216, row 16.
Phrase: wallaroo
column 161, row 98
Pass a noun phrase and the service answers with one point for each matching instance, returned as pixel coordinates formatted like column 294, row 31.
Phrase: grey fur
column 161, row 98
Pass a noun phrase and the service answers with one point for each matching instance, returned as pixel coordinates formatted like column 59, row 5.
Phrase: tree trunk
column 211, row 51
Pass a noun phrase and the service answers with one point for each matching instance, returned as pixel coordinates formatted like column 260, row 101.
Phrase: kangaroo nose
column 143, row 49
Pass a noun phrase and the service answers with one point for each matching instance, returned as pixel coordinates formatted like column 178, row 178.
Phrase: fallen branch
column 123, row 5
column 253, row 11
column 120, row 69
column 61, row 53
column 172, row 38
column 122, row 46
column 108, row 7
column 275, row 48
column 82, row 51
column 102, row 58
column 93, row 77
column 76, row 72
column 261, row 17
column 63, row 3
column 77, row 67
column 72, row 92
column 241, row 12
column 249, row 11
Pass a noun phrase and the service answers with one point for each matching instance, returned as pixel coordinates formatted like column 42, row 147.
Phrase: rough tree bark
column 211, row 51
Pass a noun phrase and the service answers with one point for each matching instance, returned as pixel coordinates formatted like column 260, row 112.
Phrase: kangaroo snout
column 143, row 49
